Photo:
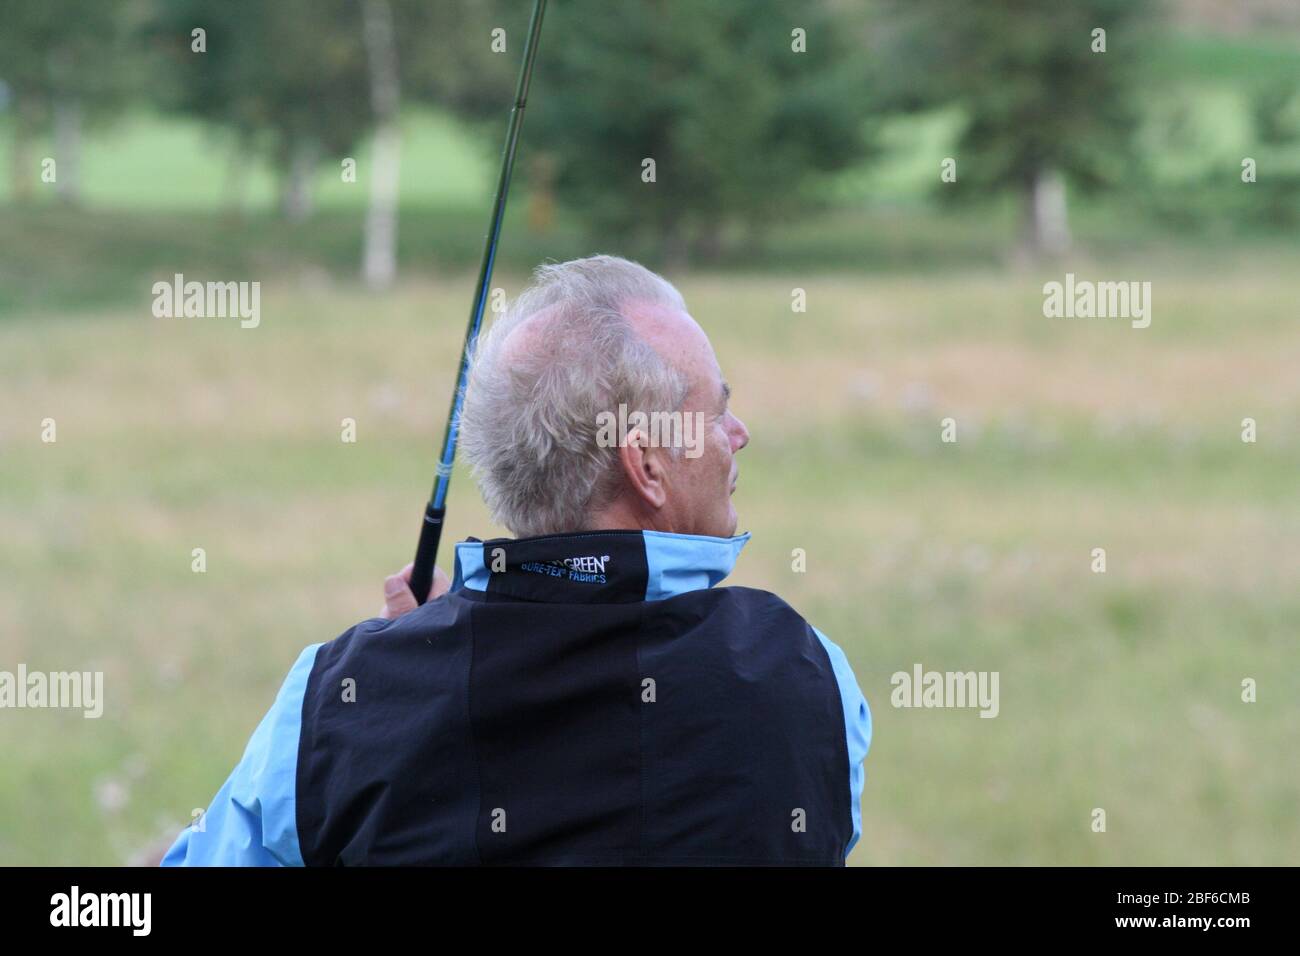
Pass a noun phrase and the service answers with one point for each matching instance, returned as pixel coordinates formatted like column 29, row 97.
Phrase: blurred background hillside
column 775, row 170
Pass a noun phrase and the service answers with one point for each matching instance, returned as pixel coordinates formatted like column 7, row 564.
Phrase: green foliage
column 63, row 64
column 736, row 122
column 280, row 74
column 1277, row 120
column 1215, row 107
column 54, row 48
column 1035, row 95
column 447, row 57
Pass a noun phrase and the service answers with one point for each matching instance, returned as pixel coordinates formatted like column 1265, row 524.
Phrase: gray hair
column 529, row 421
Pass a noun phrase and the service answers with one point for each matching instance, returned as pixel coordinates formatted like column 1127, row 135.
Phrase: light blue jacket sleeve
column 857, row 729
column 252, row 820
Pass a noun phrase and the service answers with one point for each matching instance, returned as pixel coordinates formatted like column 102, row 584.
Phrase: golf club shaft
column 426, row 551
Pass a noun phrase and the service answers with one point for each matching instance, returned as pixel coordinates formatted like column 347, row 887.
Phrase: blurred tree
column 464, row 56
column 379, row 255
column 1043, row 108
column 288, row 78
column 447, row 57
column 64, row 62
column 1277, row 128
column 302, row 80
column 736, row 121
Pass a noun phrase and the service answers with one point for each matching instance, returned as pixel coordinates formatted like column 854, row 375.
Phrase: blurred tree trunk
column 235, row 182
column 674, row 244
column 755, row 241
column 23, row 170
column 541, row 197
column 66, row 109
column 1047, row 224
column 295, row 195
column 67, row 147
column 379, row 256
column 707, row 248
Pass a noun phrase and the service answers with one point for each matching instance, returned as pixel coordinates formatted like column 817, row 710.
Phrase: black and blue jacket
column 574, row 699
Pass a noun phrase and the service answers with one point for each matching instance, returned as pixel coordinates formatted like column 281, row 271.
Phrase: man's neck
column 619, row 516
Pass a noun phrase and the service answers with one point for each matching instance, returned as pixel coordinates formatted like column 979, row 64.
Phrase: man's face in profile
column 699, row 485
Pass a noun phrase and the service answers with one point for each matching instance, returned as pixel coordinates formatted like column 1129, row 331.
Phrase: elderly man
column 582, row 693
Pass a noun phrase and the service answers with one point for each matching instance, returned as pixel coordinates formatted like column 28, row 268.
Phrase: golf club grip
column 426, row 552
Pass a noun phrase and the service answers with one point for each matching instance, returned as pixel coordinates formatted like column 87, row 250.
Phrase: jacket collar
column 595, row 567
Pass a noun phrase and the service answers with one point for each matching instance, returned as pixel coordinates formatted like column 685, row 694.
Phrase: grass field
column 1119, row 691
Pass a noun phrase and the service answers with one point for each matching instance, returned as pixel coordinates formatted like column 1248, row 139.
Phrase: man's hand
column 398, row 598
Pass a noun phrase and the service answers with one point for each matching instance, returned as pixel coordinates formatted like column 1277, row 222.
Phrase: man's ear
column 643, row 467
